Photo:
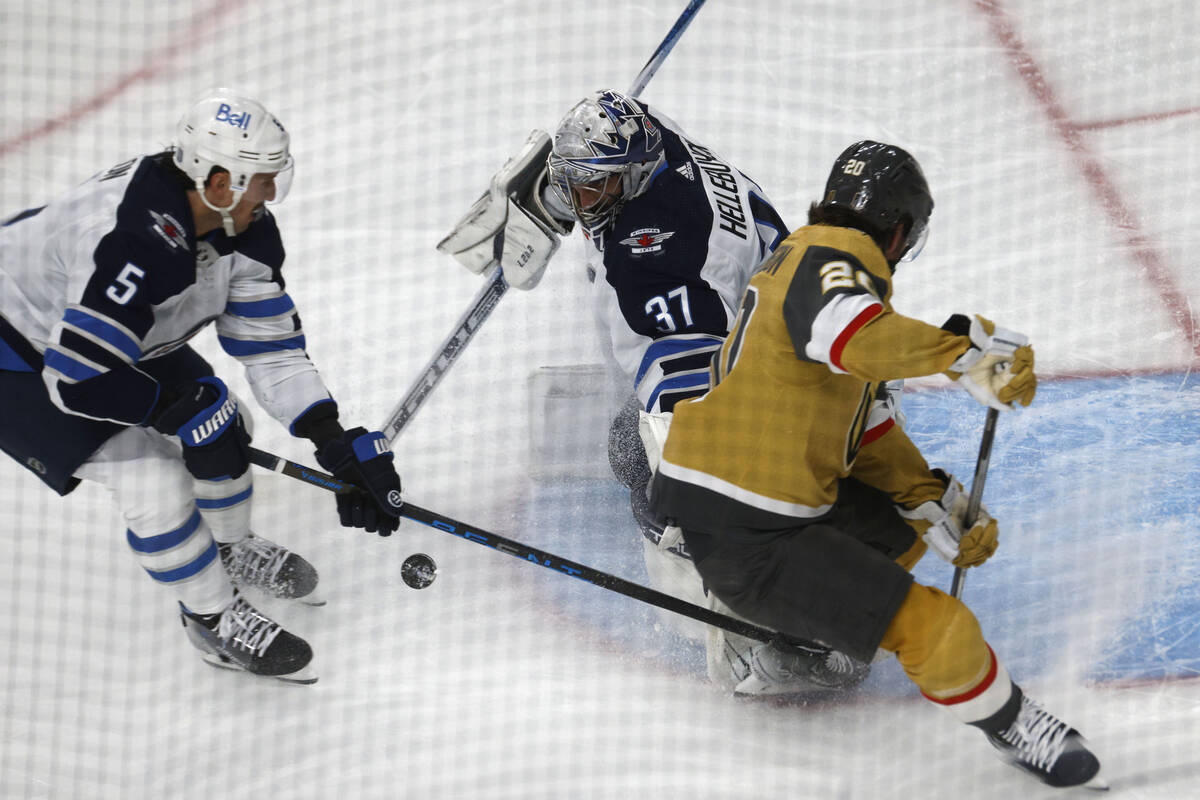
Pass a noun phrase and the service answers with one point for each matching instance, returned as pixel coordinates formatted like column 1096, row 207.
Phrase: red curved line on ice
column 1151, row 260
column 198, row 26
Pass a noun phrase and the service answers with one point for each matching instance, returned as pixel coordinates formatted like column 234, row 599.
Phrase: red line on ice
column 199, row 25
column 1129, row 227
column 1156, row 116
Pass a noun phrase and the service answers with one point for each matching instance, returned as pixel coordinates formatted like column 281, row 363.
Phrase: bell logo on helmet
column 242, row 120
column 229, row 131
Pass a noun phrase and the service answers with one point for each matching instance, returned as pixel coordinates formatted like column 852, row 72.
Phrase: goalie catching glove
column 997, row 368
column 510, row 226
column 941, row 524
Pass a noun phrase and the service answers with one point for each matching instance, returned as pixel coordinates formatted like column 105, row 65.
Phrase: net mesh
column 1059, row 143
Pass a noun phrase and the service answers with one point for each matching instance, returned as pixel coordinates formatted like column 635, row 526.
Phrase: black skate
column 242, row 638
column 259, row 563
column 787, row 667
column 1046, row 747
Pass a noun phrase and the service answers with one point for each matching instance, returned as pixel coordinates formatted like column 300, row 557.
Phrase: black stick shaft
column 976, row 497
column 523, row 551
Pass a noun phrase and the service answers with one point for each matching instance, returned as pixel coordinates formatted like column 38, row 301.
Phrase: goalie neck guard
column 238, row 135
column 605, row 151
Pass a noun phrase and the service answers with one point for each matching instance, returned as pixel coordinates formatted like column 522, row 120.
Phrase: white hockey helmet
column 605, row 135
column 237, row 134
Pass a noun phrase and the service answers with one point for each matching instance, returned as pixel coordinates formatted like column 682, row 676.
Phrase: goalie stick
column 496, row 286
column 526, row 553
column 976, row 497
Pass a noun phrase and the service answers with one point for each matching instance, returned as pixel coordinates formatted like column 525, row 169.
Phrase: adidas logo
column 687, row 171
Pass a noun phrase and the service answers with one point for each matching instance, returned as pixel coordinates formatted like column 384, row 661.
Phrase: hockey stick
column 523, row 551
column 447, row 354
column 660, row 55
column 976, row 497
column 496, row 286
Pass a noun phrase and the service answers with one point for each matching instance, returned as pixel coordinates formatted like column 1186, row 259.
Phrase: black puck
column 418, row 570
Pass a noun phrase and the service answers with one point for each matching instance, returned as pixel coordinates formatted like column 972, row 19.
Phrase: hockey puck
column 418, row 570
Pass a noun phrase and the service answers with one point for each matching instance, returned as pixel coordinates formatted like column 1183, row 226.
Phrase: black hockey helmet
column 883, row 186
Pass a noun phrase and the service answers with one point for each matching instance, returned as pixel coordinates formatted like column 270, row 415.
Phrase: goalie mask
column 238, row 135
column 884, row 186
column 605, row 152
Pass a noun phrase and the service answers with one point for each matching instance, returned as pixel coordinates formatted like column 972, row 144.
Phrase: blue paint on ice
column 1097, row 490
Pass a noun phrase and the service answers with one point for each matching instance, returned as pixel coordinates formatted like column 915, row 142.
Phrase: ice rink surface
column 1060, row 144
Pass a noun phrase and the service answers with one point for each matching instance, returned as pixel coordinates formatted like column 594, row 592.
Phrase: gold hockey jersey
column 793, row 386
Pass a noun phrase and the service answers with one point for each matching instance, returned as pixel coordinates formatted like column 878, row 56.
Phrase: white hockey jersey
column 675, row 262
column 112, row 275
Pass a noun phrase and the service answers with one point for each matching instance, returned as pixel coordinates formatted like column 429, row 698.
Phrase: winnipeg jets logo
column 647, row 240
column 169, row 229
column 687, row 171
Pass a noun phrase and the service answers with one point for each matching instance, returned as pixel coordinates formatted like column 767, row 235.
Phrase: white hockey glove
column 944, row 521
column 509, row 225
column 997, row 368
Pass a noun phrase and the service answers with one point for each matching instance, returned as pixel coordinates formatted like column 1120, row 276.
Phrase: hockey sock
column 225, row 506
column 185, row 559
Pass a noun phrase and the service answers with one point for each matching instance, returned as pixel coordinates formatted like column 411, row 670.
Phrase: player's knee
column 938, row 642
column 153, row 494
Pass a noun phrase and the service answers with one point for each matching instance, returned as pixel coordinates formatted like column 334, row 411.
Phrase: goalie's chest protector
column 695, row 236
column 781, row 426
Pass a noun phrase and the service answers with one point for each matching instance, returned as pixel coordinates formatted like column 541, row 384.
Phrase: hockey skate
column 242, row 638
column 782, row 667
column 259, row 563
column 1047, row 748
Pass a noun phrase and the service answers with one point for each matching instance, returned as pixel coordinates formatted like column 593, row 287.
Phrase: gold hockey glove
column 998, row 368
column 941, row 523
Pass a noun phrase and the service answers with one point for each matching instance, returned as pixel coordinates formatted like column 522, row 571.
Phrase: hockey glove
column 205, row 417
column 510, row 225
column 997, row 369
column 363, row 459
column 942, row 522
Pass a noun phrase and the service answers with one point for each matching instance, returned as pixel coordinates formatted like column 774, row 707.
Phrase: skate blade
column 753, row 686
column 315, row 598
column 301, row 677
column 1097, row 783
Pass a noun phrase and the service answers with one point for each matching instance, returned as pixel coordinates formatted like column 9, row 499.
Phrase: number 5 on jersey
column 124, row 287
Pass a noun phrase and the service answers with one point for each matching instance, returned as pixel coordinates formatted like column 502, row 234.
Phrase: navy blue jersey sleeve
column 143, row 259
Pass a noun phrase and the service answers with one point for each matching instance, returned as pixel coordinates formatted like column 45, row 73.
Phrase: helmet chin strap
column 226, row 219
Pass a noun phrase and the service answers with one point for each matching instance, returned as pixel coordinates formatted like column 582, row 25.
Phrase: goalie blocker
column 510, row 225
